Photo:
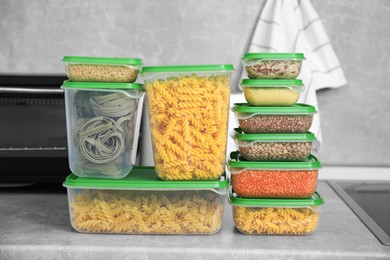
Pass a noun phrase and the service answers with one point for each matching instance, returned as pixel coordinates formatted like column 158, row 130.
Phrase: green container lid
column 189, row 68
column 273, row 56
column 270, row 82
column 100, row 85
column 314, row 200
column 102, row 60
column 310, row 163
column 143, row 178
column 296, row 109
column 241, row 136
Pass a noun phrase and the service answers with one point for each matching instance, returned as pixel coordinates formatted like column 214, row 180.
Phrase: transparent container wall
column 263, row 183
column 272, row 96
column 276, row 221
column 274, row 151
column 188, row 115
column 170, row 212
column 102, row 130
column 102, row 73
column 272, row 69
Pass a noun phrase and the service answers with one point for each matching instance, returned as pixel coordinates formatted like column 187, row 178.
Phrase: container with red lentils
column 257, row 179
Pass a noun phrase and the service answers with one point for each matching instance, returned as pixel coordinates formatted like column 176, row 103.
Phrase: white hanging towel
column 294, row 26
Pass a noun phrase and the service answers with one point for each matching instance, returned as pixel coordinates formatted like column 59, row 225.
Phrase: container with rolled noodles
column 103, row 121
column 141, row 203
column 188, row 110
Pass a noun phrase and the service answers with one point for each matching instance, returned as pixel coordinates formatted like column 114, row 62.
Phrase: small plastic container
column 273, row 147
column 273, row 65
column 103, row 121
column 141, row 203
column 102, row 69
column 266, row 120
column 269, row 92
column 188, row 111
column 276, row 216
column 273, row 179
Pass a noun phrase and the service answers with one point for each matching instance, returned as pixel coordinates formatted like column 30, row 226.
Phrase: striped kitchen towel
column 294, row 26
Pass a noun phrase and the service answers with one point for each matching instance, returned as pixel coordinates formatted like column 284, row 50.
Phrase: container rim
column 239, row 135
column 67, row 84
column 297, row 108
column 188, row 68
column 272, row 55
column 102, row 60
column 271, row 82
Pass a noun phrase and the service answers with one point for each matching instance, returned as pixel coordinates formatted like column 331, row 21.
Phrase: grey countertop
column 35, row 225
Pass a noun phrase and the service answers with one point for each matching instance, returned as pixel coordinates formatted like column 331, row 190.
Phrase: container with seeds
column 141, row 203
column 276, row 216
column 273, row 65
column 272, row 92
column 296, row 118
column 103, row 121
column 273, row 179
column 273, row 147
column 102, row 69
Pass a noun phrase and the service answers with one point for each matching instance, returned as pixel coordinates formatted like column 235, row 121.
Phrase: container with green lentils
column 272, row 92
column 273, row 147
column 102, row 69
column 296, row 118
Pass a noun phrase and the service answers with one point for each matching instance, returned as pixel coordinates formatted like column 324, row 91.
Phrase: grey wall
column 36, row 34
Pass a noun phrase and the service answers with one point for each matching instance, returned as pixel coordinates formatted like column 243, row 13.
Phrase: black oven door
column 33, row 146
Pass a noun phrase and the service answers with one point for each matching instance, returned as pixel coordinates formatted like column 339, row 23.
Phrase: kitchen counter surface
column 35, row 225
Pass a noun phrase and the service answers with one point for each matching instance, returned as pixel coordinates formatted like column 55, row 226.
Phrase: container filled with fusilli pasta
column 141, row 203
column 103, row 121
column 267, row 179
column 276, row 216
column 188, row 113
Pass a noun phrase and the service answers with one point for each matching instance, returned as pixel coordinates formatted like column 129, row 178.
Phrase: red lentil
column 275, row 183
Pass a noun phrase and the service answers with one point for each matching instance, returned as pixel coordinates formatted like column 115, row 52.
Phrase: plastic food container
column 102, row 69
column 188, row 112
column 103, row 121
column 269, row 92
column 143, row 204
column 263, row 120
column 273, row 147
column 276, row 216
column 272, row 65
column 273, row 179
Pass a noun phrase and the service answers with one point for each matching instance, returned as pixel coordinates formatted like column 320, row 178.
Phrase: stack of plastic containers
column 186, row 191
column 273, row 173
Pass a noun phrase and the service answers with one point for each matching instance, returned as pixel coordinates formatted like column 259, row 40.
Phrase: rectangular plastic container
column 266, row 120
column 102, row 69
column 270, row 92
column 189, row 113
column 273, row 179
column 273, row 147
column 273, row 65
column 141, row 203
column 276, row 216
column 103, row 121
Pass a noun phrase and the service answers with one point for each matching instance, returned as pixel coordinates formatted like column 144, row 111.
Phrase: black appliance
column 33, row 143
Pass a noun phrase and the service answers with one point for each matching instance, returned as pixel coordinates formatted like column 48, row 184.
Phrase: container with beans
column 276, row 216
column 272, row 92
column 273, row 179
column 262, row 120
column 272, row 65
column 273, row 147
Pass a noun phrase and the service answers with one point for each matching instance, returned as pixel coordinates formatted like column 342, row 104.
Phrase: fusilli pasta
column 188, row 123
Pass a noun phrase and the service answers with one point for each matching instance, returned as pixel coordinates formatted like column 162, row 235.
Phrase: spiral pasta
column 147, row 212
column 275, row 221
column 188, row 123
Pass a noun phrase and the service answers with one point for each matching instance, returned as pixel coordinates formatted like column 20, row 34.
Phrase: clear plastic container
column 266, row 120
column 276, row 216
column 273, row 179
column 188, row 112
column 273, row 147
column 103, row 121
column 273, row 65
column 102, row 69
column 141, row 203
column 269, row 92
